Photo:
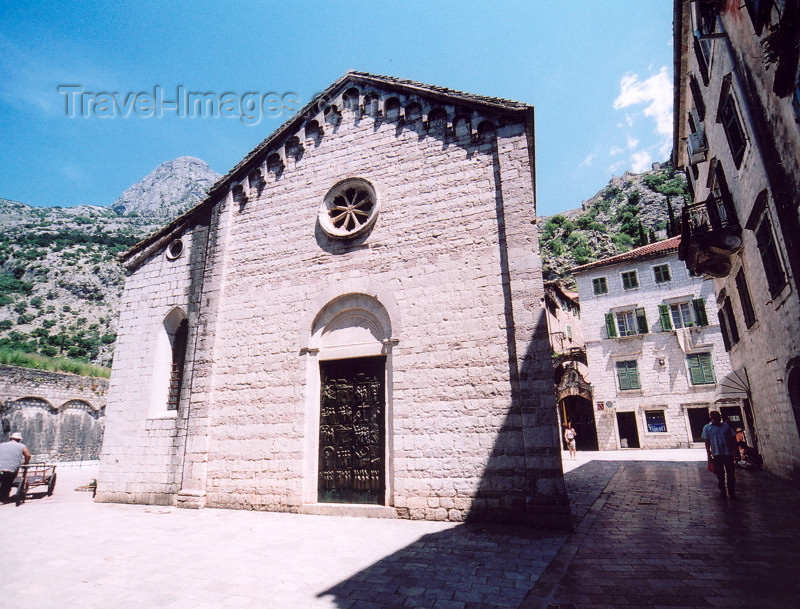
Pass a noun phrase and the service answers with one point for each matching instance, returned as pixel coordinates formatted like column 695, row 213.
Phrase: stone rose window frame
column 349, row 209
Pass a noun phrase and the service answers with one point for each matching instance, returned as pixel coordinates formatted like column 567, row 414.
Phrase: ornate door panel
column 351, row 431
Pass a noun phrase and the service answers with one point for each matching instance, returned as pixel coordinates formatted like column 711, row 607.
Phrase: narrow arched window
column 178, row 343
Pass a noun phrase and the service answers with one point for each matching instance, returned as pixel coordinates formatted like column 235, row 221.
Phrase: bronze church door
column 352, row 431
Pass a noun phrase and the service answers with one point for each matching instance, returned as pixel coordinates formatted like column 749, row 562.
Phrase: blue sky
column 598, row 74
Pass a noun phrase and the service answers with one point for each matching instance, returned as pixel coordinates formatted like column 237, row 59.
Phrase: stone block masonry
column 61, row 416
column 440, row 288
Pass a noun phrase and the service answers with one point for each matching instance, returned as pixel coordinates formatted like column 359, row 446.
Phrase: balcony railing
column 710, row 235
column 712, row 215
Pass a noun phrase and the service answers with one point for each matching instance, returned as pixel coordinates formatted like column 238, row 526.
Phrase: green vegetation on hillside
column 40, row 362
column 630, row 212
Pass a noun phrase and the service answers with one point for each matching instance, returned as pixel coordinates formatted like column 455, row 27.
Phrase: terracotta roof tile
column 651, row 250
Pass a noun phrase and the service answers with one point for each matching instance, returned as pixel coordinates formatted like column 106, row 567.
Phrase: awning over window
column 733, row 386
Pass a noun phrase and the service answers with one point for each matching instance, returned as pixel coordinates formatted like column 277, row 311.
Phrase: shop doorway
column 578, row 410
column 628, row 430
column 733, row 416
column 698, row 417
column 352, row 431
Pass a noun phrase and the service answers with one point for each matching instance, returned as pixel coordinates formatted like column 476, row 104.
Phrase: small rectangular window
column 630, row 280
column 773, row 268
column 661, row 273
column 733, row 130
column 626, row 322
column 744, row 298
column 569, row 332
column 628, row 375
column 599, row 285
column 656, row 421
column 681, row 315
column 701, row 368
column 733, row 329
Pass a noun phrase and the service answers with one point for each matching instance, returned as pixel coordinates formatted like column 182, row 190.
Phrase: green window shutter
column 611, row 326
column 666, row 320
column 628, row 375
column 700, row 311
column 695, row 369
column 622, row 375
column 707, row 366
column 641, row 320
column 633, row 375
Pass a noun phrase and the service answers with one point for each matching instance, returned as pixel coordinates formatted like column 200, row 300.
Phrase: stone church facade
column 351, row 323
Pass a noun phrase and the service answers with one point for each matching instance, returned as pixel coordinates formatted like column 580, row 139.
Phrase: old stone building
column 737, row 107
column 350, row 323
column 655, row 358
column 573, row 391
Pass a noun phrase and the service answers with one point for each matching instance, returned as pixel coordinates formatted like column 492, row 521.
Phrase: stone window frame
column 729, row 115
column 175, row 249
column 628, row 378
column 774, row 268
column 352, row 209
column 658, row 273
column 700, row 367
column 626, row 321
column 746, row 302
column 662, row 413
column 600, row 286
column 629, row 280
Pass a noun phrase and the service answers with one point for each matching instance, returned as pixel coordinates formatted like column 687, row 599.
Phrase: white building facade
column 654, row 354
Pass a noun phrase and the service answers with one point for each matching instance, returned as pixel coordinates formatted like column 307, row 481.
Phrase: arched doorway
column 574, row 397
column 351, row 340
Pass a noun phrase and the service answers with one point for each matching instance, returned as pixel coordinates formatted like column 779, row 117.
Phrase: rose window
column 349, row 209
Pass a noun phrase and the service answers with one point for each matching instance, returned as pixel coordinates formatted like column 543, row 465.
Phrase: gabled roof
column 495, row 104
column 651, row 250
column 492, row 105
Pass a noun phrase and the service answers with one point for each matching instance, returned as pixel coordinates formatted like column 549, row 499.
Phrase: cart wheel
column 51, row 486
column 22, row 488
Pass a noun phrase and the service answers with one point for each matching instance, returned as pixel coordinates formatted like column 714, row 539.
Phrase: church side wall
column 143, row 449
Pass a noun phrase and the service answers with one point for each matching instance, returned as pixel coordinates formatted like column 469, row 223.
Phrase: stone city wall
column 61, row 416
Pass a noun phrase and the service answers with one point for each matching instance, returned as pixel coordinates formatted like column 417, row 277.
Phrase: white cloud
column 641, row 161
column 655, row 92
column 587, row 162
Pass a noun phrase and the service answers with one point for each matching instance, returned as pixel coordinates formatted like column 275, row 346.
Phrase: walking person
column 721, row 447
column 12, row 454
column 569, row 436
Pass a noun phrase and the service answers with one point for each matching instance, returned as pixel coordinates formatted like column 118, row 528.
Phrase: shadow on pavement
column 470, row 565
column 467, row 566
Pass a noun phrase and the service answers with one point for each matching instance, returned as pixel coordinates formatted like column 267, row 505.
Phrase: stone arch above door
column 352, row 315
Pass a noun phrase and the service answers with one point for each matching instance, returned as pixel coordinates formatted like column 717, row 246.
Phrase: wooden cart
column 34, row 475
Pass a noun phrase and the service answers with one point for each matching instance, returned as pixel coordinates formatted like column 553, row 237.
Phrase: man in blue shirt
column 721, row 447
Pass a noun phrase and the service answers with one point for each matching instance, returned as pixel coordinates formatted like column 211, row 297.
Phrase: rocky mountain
column 60, row 281
column 168, row 190
column 632, row 210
